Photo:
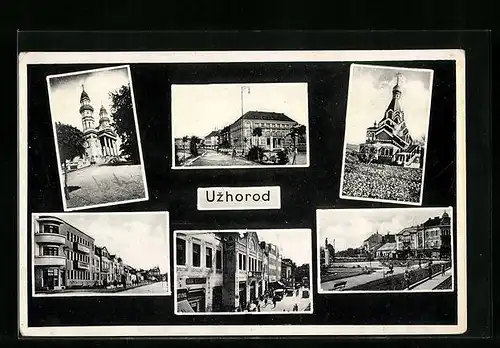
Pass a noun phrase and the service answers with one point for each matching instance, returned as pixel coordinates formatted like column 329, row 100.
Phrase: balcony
column 50, row 238
column 50, row 219
column 81, row 265
column 81, row 248
column 50, row 261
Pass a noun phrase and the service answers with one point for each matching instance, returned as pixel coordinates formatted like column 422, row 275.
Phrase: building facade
column 287, row 272
column 223, row 272
column 62, row 255
column 389, row 141
column 276, row 128
column 432, row 238
column 211, row 141
column 66, row 257
column 101, row 140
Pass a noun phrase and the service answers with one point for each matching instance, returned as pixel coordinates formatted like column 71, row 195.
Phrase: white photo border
column 138, row 135
column 422, row 182
column 309, row 56
column 395, row 210
column 174, row 276
column 256, row 166
column 97, row 294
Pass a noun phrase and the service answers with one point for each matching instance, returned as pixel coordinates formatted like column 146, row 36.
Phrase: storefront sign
column 192, row 281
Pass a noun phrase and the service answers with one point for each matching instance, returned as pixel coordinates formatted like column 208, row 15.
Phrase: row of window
column 50, row 251
column 270, row 125
column 78, row 275
column 74, row 238
column 78, row 257
column 50, row 229
column 253, row 263
column 196, row 255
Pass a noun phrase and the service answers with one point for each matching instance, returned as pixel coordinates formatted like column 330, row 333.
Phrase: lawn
column 335, row 273
column 380, row 181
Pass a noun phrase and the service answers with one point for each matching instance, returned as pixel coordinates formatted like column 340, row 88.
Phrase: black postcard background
column 303, row 189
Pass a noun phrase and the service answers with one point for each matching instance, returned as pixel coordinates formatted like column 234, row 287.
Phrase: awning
column 184, row 307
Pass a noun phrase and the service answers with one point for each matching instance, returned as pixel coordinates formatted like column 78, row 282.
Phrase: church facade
column 389, row 141
column 101, row 140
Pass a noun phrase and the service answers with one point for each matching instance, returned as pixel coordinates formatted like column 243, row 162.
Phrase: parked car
column 276, row 156
column 305, row 293
column 279, row 294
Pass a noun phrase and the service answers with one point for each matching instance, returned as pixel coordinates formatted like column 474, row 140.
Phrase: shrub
column 255, row 153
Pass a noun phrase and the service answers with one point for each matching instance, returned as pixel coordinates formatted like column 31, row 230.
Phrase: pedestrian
column 296, row 307
column 274, row 302
column 265, row 301
column 407, row 279
column 234, row 152
column 258, row 307
column 442, row 269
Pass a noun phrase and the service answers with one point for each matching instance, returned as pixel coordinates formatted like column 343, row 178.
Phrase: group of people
column 382, row 182
column 264, row 300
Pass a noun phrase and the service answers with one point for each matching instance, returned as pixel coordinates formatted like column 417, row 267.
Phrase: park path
column 212, row 158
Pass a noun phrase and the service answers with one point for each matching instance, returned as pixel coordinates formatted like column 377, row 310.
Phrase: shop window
column 50, row 229
column 181, row 251
column 50, row 251
column 218, row 259
column 208, row 258
column 196, row 255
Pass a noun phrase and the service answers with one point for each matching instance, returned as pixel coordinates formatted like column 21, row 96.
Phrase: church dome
column 84, row 97
column 396, row 88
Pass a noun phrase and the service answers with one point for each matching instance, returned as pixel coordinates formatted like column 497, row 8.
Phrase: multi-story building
column 276, row 128
column 287, row 271
column 432, row 238
column 211, row 141
column 372, row 243
column 62, row 254
column 223, row 271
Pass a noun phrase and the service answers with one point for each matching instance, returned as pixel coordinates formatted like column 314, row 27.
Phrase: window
column 218, row 259
column 50, row 251
column 196, row 255
column 50, row 229
column 244, row 262
column 208, row 258
column 240, row 262
column 181, row 252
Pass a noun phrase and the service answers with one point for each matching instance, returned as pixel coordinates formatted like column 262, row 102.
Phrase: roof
column 265, row 116
column 387, row 247
column 411, row 229
column 213, row 134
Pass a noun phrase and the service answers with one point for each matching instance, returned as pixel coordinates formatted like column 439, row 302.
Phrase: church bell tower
column 86, row 111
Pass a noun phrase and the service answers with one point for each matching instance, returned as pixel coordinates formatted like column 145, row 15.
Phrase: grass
column 340, row 273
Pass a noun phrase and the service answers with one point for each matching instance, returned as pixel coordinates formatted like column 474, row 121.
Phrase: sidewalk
column 93, row 290
column 432, row 283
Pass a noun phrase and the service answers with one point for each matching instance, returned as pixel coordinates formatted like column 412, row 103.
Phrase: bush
column 255, row 153
column 282, row 157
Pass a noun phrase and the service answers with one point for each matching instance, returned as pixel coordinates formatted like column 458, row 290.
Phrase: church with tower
column 101, row 140
column 389, row 141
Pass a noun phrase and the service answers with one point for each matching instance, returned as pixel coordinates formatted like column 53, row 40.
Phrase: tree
column 193, row 145
column 296, row 131
column 71, row 143
column 257, row 132
column 122, row 114
column 185, row 139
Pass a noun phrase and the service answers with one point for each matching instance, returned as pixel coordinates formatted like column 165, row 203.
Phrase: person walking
column 442, row 270
column 234, row 153
column 407, row 280
column 274, row 302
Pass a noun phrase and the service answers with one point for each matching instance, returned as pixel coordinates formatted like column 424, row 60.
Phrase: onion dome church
column 389, row 141
column 100, row 141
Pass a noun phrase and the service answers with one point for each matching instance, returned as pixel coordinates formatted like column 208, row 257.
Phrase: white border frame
column 138, row 135
column 98, row 294
column 256, row 166
column 263, row 231
column 319, row 238
column 419, row 203
column 457, row 55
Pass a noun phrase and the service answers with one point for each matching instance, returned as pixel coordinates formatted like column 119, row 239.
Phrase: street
column 287, row 303
column 212, row 158
column 104, row 184
column 158, row 288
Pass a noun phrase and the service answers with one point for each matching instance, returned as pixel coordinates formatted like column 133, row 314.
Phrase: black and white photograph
column 251, row 125
column 385, row 250
column 100, row 254
column 243, row 272
column 387, row 121
column 97, row 138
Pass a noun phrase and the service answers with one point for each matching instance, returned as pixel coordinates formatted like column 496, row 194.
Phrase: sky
column 200, row 109
column 294, row 244
column 370, row 92
column 140, row 239
column 350, row 228
column 65, row 92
